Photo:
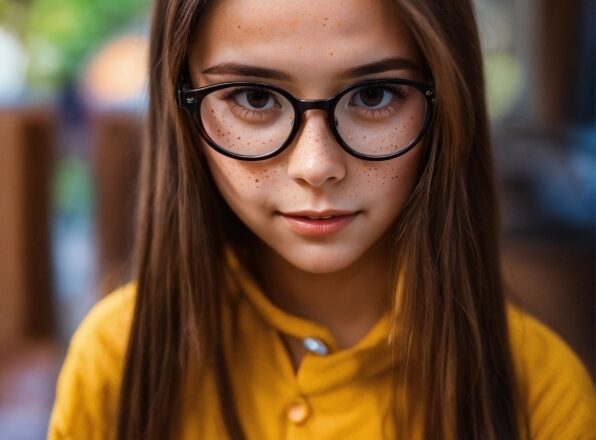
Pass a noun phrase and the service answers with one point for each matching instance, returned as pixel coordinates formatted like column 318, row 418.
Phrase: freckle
column 330, row 54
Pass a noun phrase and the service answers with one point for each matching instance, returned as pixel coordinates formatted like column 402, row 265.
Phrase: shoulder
column 107, row 324
column 555, row 383
column 87, row 389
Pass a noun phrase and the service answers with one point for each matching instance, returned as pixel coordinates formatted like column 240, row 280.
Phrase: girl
column 317, row 244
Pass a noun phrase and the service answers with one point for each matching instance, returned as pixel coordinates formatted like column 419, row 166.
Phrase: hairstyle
column 446, row 248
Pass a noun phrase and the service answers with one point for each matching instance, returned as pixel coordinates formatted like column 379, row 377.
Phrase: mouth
column 316, row 224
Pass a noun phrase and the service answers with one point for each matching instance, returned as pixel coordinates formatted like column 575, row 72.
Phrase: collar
column 371, row 354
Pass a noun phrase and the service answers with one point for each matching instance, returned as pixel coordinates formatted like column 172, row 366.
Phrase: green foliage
column 503, row 83
column 72, row 188
column 60, row 34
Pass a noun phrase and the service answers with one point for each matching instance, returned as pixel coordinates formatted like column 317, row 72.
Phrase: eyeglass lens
column 374, row 120
column 247, row 120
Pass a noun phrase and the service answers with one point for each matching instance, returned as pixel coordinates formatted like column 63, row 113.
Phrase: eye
column 255, row 99
column 372, row 97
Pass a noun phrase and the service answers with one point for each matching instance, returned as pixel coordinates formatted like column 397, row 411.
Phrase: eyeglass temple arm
column 183, row 82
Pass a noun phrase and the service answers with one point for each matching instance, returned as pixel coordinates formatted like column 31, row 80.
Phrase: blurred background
column 72, row 104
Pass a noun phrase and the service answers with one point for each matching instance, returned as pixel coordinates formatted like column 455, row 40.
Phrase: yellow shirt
column 342, row 395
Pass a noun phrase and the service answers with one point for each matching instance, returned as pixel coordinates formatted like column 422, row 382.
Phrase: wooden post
column 550, row 41
column 117, row 139
column 26, row 144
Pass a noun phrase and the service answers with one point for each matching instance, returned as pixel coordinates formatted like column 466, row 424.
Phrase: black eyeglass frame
column 191, row 99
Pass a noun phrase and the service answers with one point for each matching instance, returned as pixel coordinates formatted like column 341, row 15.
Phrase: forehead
column 308, row 39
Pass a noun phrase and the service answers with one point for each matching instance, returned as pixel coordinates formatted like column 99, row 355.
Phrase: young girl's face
column 310, row 49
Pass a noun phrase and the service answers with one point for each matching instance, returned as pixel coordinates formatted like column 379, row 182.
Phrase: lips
column 317, row 224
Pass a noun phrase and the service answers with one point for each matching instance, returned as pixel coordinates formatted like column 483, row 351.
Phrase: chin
column 321, row 261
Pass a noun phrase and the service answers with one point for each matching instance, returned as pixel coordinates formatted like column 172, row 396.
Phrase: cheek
column 242, row 181
column 390, row 180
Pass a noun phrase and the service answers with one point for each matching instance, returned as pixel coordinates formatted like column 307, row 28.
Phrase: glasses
column 371, row 120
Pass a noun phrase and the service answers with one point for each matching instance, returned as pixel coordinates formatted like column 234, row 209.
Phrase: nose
column 315, row 158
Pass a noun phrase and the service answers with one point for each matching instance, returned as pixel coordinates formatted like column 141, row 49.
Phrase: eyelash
column 385, row 111
column 248, row 114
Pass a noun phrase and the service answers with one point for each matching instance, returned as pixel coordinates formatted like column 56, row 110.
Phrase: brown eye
column 258, row 98
column 371, row 96
column 253, row 98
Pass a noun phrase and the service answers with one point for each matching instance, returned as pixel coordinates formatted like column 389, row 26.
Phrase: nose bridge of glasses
column 304, row 105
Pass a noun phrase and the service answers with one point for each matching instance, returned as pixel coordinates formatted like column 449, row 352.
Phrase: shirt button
column 298, row 411
column 315, row 346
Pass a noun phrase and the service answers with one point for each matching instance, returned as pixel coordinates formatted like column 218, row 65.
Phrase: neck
column 348, row 302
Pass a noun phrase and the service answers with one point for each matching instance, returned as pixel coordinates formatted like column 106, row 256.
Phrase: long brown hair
column 452, row 309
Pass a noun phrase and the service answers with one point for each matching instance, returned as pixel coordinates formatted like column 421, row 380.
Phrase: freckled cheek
column 243, row 180
column 402, row 176
column 396, row 177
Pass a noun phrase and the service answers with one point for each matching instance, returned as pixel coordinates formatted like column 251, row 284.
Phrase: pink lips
column 317, row 224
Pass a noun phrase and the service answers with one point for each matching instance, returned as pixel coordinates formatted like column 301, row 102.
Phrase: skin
column 338, row 280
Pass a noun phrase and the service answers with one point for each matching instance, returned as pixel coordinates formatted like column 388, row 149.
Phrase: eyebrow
column 247, row 70
column 384, row 65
